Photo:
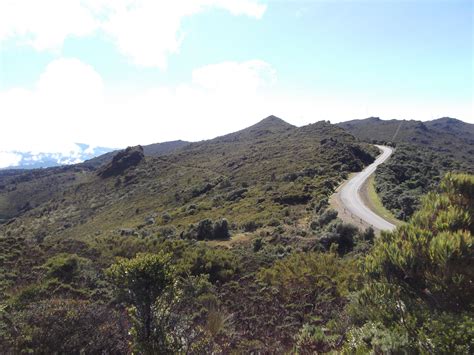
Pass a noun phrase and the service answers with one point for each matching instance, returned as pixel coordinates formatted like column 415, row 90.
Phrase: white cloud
column 69, row 104
column 234, row 76
column 61, row 107
column 9, row 159
column 69, row 78
column 146, row 31
column 44, row 24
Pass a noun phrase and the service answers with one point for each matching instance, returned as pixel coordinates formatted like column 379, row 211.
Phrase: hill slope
column 269, row 174
column 244, row 176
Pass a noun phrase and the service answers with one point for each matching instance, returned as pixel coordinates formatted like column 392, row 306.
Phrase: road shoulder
column 372, row 200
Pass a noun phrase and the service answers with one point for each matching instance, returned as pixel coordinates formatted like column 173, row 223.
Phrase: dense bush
column 221, row 229
column 206, row 229
column 219, row 265
column 410, row 173
column 64, row 326
column 250, row 226
column 421, row 278
column 326, row 217
column 169, row 312
column 342, row 234
column 64, row 266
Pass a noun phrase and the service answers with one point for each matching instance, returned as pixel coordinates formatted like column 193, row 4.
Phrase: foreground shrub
column 421, row 277
column 140, row 281
column 64, row 326
column 169, row 313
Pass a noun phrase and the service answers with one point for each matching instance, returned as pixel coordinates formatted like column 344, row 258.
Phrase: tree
column 141, row 281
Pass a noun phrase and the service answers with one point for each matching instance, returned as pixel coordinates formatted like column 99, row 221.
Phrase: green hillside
column 221, row 210
column 228, row 246
column 22, row 190
column 246, row 177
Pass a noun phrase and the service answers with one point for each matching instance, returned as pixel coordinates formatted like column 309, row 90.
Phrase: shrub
column 341, row 234
column 167, row 231
column 140, row 281
column 274, row 222
column 63, row 266
column 326, row 217
column 64, row 326
column 257, row 244
column 368, row 235
column 251, row 226
column 221, row 230
column 219, row 264
column 421, row 275
column 204, row 229
column 209, row 230
column 165, row 217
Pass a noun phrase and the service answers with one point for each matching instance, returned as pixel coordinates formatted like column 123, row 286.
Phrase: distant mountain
column 445, row 134
column 34, row 160
column 85, row 154
column 151, row 150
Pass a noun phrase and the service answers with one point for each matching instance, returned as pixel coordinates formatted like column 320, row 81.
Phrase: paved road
column 352, row 201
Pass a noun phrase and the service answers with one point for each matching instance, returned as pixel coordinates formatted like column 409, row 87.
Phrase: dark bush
column 251, row 226
column 326, row 217
column 204, row 229
column 257, row 244
column 236, row 194
column 209, row 230
column 62, row 326
column 341, row 233
column 221, row 230
column 63, row 266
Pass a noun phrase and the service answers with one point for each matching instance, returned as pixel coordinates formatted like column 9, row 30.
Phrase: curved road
column 350, row 193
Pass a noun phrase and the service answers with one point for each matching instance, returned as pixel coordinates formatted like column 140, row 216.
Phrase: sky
column 124, row 72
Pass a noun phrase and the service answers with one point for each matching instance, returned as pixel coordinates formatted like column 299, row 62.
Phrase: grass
column 375, row 204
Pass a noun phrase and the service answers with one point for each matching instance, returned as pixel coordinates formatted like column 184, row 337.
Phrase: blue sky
column 121, row 72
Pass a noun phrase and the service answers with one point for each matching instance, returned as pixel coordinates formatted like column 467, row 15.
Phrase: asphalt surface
column 352, row 201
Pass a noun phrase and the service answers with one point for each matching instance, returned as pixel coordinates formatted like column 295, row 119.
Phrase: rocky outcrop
column 122, row 161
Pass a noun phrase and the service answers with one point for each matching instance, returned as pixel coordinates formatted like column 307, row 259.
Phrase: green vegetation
column 409, row 174
column 376, row 204
column 425, row 151
column 228, row 246
column 420, row 290
column 143, row 281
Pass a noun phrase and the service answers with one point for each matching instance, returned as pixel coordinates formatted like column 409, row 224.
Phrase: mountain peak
column 273, row 121
column 448, row 120
column 268, row 125
column 271, row 124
